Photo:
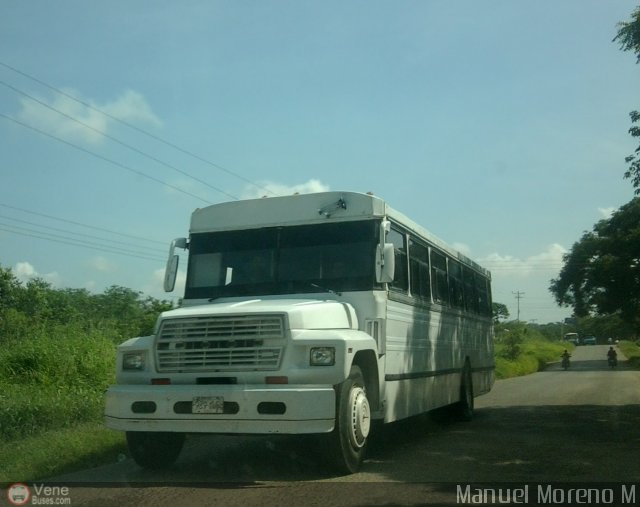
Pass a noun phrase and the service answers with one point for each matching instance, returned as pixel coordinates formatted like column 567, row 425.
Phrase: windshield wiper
column 325, row 289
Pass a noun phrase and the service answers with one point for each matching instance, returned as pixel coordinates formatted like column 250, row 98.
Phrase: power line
column 137, row 129
column 75, row 242
column 90, row 236
column 116, row 140
column 105, row 159
column 51, row 217
column 79, row 241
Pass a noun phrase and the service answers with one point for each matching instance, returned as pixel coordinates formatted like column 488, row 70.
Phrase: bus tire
column 348, row 440
column 155, row 450
column 464, row 407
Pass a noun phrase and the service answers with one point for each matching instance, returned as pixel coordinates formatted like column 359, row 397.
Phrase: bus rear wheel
column 348, row 441
column 155, row 450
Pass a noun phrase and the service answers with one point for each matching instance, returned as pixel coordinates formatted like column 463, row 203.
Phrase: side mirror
column 171, row 271
column 385, row 263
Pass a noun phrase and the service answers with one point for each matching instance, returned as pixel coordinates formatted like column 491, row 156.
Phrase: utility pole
column 518, row 296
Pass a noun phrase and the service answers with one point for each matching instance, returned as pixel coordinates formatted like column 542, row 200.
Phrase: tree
column 500, row 311
column 37, row 305
column 633, row 173
column 120, row 301
column 509, row 340
column 9, row 289
column 601, row 273
column 628, row 37
column 552, row 330
column 35, row 299
column 605, row 326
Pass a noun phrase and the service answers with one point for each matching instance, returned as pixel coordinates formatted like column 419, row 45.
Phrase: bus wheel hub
column 360, row 417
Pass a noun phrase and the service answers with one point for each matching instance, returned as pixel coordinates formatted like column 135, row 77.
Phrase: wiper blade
column 325, row 289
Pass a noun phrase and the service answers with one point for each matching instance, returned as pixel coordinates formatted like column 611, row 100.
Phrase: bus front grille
column 220, row 343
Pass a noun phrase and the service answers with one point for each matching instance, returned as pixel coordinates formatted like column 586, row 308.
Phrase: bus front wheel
column 154, row 450
column 348, row 441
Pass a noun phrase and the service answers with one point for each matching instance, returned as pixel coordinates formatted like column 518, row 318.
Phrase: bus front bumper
column 221, row 409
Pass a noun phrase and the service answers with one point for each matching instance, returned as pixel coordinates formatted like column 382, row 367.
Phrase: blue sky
column 501, row 126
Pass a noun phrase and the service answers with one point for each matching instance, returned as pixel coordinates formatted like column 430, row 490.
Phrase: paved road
column 582, row 424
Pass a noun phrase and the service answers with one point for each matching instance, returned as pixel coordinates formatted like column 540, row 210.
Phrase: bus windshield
column 283, row 260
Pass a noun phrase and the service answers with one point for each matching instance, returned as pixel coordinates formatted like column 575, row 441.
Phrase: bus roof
column 302, row 209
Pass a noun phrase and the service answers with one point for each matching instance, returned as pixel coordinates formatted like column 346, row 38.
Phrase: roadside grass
column 632, row 351
column 53, row 379
column 59, row 451
column 534, row 355
column 52, row 383
column 57, row 358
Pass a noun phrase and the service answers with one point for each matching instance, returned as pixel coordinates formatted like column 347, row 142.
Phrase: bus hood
column 301, row 313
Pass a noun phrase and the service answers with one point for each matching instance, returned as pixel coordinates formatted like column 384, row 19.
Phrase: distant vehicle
column 589, row 340
column 572, row 337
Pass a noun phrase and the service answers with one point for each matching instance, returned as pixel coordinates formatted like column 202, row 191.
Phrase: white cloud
column 155, row 285
column 24, row 271
column 529, row 277
column 606, row 212
column 102, row 264
column 507, row 265
column 463, row 248
column 130, row 106
column 270, row 188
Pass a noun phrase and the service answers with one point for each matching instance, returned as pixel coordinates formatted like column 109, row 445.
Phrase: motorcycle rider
column 565, row 358
column 612, row 356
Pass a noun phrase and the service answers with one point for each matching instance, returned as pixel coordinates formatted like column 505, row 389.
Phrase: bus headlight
column 133, row 361
column 322, row 356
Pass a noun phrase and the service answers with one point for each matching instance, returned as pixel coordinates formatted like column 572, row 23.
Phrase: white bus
column 305, row 314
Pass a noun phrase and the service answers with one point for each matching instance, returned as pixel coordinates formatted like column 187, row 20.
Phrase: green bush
column 632, row 351
column 57, row 357
column 524, row 365
column 53, row 379
column 520, row 350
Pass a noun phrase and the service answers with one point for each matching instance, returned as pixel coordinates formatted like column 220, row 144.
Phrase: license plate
column 208, row 405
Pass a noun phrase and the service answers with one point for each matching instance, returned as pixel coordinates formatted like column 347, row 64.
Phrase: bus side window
column 470, row 291
column 401, row 279
column 439, row 282
column 456, row 289
column 484, row 302
column 419, row 271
